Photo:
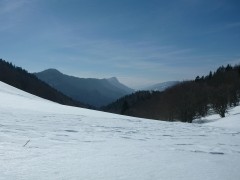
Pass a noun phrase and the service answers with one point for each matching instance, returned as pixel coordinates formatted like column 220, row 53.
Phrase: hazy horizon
column 140, row 42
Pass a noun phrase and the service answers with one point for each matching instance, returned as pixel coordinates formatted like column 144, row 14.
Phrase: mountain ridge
column 96, row 92
column 160, row 86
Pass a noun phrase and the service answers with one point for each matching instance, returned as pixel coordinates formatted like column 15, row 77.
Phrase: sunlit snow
column 40, row 139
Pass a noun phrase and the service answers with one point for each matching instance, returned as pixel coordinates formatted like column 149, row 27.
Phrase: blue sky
column 139, row 41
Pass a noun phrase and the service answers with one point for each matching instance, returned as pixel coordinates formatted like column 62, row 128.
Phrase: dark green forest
column 21, row 79
column 215, row 93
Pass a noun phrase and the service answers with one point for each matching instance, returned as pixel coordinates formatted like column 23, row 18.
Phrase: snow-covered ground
column 40, row 139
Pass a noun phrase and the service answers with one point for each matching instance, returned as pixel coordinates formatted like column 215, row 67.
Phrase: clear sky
column 139, row 41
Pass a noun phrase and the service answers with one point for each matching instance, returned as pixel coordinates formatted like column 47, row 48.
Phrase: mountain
column 20, row 78
column 96, row 92
column 160, row 86
column 41, row 139
column 114, row 81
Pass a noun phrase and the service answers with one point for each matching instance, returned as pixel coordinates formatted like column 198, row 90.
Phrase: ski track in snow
column 60, row 142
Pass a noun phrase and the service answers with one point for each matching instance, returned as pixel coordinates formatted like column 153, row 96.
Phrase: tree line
column 214, row 93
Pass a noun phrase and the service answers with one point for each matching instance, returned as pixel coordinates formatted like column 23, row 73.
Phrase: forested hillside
column 21, row 79
column 214, row 93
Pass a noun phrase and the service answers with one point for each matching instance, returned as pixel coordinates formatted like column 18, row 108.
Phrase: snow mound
column 40, row 139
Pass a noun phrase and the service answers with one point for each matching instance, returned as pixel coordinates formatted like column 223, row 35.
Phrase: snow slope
column 40, row 139
column 232, row 119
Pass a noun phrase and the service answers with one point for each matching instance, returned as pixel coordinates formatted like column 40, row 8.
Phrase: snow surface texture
column 40, row 139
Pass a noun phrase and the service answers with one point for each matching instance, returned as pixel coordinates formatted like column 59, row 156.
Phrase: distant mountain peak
column 113, row 79
column 161, row 86
column 52, row 70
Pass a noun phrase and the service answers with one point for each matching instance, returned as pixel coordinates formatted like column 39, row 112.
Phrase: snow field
column 74, row 143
